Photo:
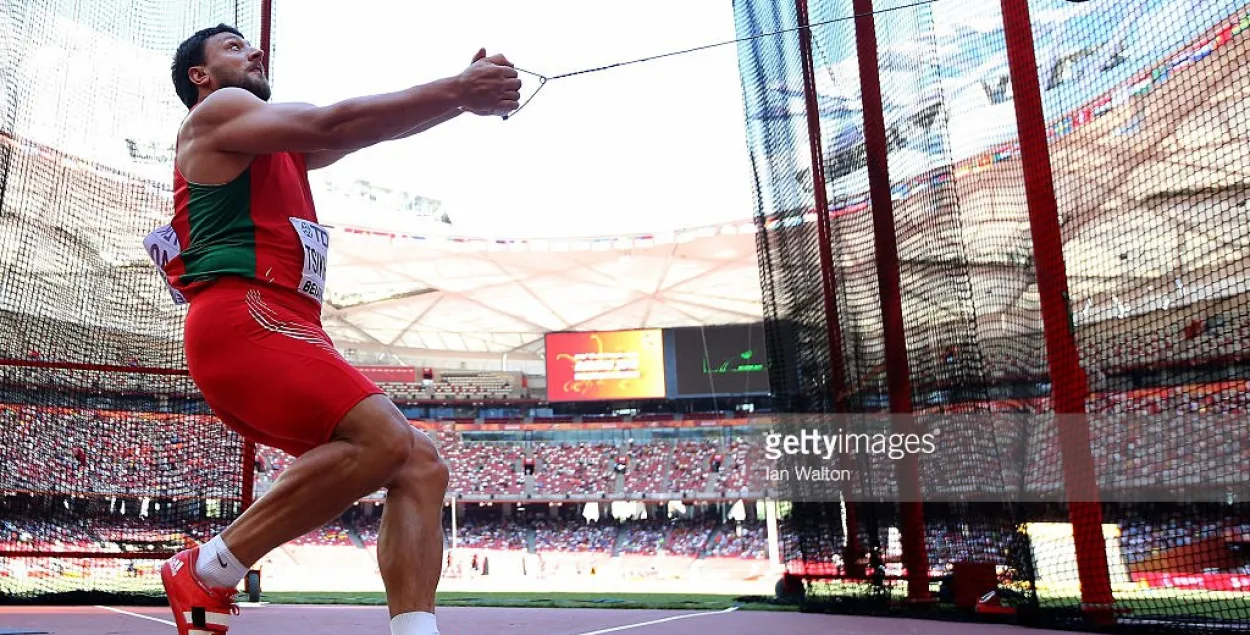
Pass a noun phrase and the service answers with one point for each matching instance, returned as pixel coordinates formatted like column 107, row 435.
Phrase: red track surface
column 364, row 620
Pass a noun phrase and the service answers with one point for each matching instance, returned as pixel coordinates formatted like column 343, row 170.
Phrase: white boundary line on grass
column 659, row 621
column 138, row 615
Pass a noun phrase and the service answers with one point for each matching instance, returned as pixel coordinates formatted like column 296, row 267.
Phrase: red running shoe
column 198, row 609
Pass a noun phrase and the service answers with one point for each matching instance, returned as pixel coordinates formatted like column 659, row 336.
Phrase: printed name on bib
column 316, row 245
column 162, row 246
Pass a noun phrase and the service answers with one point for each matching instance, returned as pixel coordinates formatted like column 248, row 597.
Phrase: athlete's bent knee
column 390, row 457
column 425, row 469
column 383, row 436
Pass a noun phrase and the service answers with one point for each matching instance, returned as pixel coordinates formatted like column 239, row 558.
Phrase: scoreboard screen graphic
column 605, row 365
column 718, row 360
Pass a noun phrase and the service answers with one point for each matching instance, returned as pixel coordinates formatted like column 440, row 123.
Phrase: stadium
column 1014, row 236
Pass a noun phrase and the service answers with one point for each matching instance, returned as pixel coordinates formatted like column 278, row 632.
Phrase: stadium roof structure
column 388, row 291
column 1130, row 235
column 483, row 298
column 391, row 291
column 500, row 296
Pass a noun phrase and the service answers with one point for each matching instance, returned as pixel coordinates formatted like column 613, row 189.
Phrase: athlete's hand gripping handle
column 490, row 86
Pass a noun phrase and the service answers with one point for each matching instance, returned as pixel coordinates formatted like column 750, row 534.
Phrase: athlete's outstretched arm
column 325, row 158
column 234, row 120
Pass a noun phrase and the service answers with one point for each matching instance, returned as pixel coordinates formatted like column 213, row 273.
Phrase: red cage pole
column 824, row 228
column 1069, row 386
column 266, row 31
column 249, row 448
column 897, row 368
column 248, row 496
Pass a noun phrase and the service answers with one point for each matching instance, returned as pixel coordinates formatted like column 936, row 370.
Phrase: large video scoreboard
column 656, row 363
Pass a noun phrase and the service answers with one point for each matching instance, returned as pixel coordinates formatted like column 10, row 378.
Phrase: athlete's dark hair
column 191, row 53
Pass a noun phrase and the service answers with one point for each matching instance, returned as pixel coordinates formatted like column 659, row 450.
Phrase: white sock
column 414, row 624
column 217, row 567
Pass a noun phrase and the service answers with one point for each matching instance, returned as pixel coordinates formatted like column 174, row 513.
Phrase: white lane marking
column 659, row 621
column 138, row 615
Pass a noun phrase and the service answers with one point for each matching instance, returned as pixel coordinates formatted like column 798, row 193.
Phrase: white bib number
column 316, row 244
column 162, row 246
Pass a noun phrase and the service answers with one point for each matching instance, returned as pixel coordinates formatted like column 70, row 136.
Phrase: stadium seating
column 97, row 455
column 332, row 535
column 95, row 452
column 648, row 466
column 693, row 465
column 459, row 386
column 484, row 468
column 643, row 537
column 574, row 536
column 582, row 468
column 690, row 538
column 484, row 535
column 740, row 540
column 102, row 534
column 738, row 475
column 1185, row 339
column 1142, row 539
column 971, row 544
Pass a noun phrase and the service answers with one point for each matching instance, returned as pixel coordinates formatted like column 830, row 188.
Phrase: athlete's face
column 229, row 61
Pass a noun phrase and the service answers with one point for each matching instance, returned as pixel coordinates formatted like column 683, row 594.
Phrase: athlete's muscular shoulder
column 234, row 120
column 222, row 134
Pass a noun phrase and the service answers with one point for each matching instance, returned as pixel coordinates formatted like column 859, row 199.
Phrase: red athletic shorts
column 265, row 366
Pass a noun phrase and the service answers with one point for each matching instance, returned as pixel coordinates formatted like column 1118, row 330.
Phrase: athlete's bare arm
column 325, row 158
column 232, row 125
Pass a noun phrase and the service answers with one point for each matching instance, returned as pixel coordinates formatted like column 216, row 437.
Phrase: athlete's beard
column 258, row 87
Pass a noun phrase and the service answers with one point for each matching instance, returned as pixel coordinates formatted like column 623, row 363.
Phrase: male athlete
column 244, row 248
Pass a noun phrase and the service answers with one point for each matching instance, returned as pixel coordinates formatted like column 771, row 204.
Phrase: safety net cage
column 1020, row 227
column 111, row 460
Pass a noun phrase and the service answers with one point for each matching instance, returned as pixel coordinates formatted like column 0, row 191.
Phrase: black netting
column 1148, row 137
column 1145, row 128
column 111, row 459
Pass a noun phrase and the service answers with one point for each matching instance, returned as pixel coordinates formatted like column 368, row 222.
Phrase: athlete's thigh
column 274, row 372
